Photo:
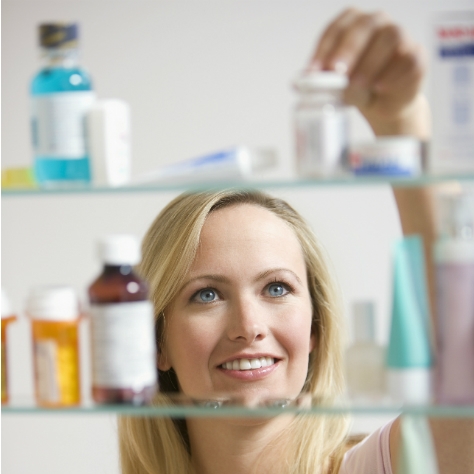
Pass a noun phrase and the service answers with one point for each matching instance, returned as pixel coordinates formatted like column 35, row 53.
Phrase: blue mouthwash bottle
column 61, row 95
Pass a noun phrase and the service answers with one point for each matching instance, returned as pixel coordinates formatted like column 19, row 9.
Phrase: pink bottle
column 454, row 260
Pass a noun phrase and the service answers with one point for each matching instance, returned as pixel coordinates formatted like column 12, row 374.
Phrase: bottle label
column 123, row 345
column 453, row 104
column 46, row 374
column 57, row 372
column 58, row 124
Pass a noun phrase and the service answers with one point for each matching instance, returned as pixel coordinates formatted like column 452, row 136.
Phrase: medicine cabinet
column 314, row 407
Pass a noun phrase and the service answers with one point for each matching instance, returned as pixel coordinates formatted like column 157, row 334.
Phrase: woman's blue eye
column 207, row 295
column 277, row 289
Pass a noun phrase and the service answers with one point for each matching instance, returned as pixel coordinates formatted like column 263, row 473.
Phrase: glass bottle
column 365, row 359
column 61, row 94
column 321, row 124
column 122, row 327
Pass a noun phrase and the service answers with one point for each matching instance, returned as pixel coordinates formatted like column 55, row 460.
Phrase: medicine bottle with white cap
column 321, row 124
column 122, row 327
column 55, row 314
column 7, row 317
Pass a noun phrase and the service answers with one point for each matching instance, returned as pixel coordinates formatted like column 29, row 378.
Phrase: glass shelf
column 182, row 408
column 423, row 180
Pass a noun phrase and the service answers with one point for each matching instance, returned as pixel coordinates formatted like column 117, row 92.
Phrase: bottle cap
column 321, row 80
column 58, row 35
column 53, row 303
column 119, row 249
column 6, row 305
column 364, row 321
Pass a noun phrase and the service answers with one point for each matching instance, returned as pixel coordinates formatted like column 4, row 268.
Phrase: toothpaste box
column 453, row 93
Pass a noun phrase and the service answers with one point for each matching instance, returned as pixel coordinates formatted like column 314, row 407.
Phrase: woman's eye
column 205, row 296
column 277, row 289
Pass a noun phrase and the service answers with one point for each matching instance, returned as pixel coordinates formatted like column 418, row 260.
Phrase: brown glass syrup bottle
column 122, row 327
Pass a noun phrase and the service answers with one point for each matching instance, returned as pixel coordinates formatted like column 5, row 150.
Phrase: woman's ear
column 163, row 363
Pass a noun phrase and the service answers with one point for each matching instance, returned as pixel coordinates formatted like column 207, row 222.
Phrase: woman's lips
column 250, row 374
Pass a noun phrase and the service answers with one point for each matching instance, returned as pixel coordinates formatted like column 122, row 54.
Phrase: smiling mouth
column 248, row 364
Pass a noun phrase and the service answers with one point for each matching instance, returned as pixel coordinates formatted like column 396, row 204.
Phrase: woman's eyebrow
column 217, row 278
column 268, row 272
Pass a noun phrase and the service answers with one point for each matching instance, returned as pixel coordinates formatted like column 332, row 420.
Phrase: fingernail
column 340, row 67
column 314, row 66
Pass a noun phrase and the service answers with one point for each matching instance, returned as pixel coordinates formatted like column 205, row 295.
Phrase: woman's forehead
column 246, row 220
column 250, row 233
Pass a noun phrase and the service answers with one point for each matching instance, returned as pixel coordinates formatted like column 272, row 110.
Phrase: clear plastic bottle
column 55, row 314
column 122, row 327
column 454, row 261
column 61, row 94
column 321, row 124
column 365, row 359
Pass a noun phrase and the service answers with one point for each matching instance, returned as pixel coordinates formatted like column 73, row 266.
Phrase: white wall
column 199, row 76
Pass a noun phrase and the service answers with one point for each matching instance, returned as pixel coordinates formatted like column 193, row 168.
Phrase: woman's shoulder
column 369, row 456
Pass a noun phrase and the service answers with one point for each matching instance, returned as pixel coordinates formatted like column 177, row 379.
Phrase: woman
column 245, row 305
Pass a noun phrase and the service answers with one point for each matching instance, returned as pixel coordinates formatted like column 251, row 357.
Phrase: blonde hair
column 159, row 446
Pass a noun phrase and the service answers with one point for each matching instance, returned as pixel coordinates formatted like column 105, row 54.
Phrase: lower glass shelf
column 183, row 407
column 293, row 183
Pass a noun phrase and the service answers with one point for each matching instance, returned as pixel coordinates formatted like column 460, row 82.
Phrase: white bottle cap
column 6, row 305
column 321, row 80
column 53, row 303
column 364, row 321
column 119, row 249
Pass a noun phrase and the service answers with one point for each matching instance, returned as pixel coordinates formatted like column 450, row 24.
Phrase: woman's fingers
column 379, row 52
column 330, row 37
column 385, row 69
column 346, row 39
column 406, row 68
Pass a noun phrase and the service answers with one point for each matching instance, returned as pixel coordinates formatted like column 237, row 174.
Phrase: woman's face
column 241, row 323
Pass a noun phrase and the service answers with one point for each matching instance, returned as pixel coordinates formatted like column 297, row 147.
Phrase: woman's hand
column 385, row 69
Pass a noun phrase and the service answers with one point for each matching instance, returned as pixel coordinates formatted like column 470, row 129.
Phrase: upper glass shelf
column 422, row 180
column 181, row 407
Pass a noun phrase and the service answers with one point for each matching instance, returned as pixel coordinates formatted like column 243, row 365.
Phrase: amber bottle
column 122, row 327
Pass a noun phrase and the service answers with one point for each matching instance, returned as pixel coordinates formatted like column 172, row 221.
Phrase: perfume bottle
column 61, row 94
column 365, row 359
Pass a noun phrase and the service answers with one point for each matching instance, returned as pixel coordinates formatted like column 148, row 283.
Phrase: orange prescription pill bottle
column 54, row 313
column 7, row 318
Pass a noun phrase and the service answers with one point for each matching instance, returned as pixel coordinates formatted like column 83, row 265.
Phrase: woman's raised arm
column 386, row 69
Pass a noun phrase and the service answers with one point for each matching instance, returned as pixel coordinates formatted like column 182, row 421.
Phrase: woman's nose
column 246, row 322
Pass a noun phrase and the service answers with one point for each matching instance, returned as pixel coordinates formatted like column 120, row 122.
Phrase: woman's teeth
column 249, row 364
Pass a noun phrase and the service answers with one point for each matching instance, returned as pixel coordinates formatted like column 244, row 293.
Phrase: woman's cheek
column 191, row 346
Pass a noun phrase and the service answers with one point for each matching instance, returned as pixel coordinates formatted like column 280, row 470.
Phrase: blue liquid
column 49, row 169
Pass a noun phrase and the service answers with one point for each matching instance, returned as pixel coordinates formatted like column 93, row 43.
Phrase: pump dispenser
column 365, row 358
column 122, row 327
